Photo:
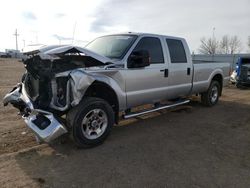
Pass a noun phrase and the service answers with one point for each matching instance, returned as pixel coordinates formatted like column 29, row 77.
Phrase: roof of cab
column 148, row 34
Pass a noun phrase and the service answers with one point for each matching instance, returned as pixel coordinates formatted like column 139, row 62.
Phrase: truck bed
column 204, row 72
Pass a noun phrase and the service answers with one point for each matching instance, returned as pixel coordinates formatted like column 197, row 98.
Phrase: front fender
column 80, row 81
column 120, row 93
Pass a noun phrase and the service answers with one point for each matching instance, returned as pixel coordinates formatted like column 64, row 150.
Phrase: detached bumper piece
column 43, row 123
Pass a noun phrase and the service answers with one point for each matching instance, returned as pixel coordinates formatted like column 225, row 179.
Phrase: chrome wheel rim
column 214, row 94
column 94, row 124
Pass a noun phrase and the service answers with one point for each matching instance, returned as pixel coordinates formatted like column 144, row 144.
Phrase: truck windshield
column 112, row 46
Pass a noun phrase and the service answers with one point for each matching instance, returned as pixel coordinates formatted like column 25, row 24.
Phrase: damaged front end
column 43, row 123
column 54, row 82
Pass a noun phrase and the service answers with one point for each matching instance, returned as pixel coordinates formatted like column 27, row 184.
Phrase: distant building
column 14, row 53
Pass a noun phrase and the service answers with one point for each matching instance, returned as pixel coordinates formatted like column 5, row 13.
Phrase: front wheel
column 211, row 96
column 91, row 122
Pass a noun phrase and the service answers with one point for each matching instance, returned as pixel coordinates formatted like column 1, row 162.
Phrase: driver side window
column 154, row 48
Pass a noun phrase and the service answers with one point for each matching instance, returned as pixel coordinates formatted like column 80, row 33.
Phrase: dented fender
column 80, row 80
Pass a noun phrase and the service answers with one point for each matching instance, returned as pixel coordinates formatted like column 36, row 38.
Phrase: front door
column 148, row 84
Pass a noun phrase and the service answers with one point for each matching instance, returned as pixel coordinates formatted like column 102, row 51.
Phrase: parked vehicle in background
column 233, row 77
column 243, row 72
column 91, row 86
column 5, row 55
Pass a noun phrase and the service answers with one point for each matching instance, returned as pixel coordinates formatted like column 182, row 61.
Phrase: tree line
column 226, row 45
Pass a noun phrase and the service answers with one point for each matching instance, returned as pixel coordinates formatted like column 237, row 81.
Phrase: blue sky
column 52, row 22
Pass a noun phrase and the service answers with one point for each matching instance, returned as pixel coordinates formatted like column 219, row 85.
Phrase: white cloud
column 41, row 21
column 29, row 16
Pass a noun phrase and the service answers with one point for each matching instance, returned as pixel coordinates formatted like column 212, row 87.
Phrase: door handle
column 165, row 72
column 188, row 71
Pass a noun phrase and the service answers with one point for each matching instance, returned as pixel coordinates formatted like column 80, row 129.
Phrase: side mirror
column 138, row 59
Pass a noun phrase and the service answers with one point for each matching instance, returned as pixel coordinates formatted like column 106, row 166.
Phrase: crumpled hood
column 58, row 51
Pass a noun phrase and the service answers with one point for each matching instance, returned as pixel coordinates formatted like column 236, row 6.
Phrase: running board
column 131, row 115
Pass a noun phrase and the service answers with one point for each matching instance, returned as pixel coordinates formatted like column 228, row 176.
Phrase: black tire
column 211, row 96
column 84, row 110
column 238, row 85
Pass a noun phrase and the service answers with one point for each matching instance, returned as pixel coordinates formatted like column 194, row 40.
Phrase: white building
column 14, row 53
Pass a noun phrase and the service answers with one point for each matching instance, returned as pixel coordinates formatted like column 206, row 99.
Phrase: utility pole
column 213, row 32
column 16, row 35
column 74, row 30
column 23, row 44
column 214, row 42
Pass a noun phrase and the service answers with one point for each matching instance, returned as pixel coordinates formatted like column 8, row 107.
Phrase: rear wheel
column 211, row 96
column 91, row 122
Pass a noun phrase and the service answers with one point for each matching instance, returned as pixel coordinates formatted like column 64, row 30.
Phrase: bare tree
column 224, row 44
column 230, row 45
column 235, row 45
column 209, row 46
column 227, row 45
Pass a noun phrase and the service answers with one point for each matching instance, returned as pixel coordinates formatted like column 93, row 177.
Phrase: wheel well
column 218, row 78
column 105, row 92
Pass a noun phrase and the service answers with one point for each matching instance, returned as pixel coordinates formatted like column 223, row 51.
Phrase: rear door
column 180, row 68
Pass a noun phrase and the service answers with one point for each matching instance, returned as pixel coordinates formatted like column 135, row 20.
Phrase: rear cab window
column 176, row 51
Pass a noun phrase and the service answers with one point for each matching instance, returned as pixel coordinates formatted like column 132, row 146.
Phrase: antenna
column 36, row 38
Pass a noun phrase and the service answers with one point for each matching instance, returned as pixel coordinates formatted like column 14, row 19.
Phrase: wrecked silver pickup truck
column 83, row 91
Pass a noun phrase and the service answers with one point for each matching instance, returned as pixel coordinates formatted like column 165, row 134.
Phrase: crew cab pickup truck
column 84, row 91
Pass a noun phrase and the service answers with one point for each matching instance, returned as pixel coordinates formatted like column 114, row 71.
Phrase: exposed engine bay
column 55, row 78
